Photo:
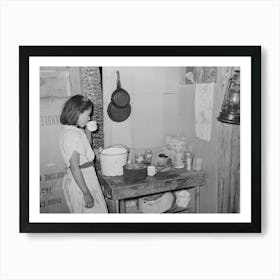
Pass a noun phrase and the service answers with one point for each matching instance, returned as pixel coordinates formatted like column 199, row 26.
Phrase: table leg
column 122, row 206
column 117, row 208
column 197, row 199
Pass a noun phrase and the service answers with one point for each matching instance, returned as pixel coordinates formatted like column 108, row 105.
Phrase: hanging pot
column 117, row 114
column 120, row 97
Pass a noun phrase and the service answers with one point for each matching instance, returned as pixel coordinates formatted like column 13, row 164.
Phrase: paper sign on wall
column 54, row 83
column 203, row 110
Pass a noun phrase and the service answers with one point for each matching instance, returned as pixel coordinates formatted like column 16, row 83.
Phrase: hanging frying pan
column 120, row 97
column 117, row 114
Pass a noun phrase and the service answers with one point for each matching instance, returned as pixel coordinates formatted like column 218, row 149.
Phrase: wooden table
column 176, row 179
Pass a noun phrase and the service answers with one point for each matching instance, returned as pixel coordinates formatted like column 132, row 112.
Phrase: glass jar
column 139, row 158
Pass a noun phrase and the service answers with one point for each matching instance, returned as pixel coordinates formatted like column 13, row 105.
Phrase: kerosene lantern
column 230, row 111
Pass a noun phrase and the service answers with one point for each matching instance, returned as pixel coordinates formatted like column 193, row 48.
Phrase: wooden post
column 117, row 208
column 197, row 199
column 122, row 206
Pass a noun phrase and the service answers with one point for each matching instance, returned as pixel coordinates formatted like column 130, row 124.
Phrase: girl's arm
column 79, row 178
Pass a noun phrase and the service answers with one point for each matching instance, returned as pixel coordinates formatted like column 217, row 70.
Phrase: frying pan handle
column 118, row 80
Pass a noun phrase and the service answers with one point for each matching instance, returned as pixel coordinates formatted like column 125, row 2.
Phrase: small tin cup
column 151, row 169
column 92, row 126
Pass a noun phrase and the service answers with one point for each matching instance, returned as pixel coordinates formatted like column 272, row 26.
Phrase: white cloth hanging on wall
column 203, row 110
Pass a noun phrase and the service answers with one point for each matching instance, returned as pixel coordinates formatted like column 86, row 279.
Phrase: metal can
column 189, row 161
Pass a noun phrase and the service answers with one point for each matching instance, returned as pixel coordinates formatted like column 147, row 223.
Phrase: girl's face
column 84, row 118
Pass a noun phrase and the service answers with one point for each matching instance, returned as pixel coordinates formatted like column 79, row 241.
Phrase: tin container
column 189, row 161
column 134, row 173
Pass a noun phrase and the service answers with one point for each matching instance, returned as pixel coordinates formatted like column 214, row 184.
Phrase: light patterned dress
column 74, row 139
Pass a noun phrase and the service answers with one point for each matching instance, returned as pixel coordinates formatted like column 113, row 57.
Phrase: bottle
column 189, row 159
column 148, row 157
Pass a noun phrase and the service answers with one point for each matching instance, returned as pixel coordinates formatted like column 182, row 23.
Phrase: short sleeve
column 71, row 141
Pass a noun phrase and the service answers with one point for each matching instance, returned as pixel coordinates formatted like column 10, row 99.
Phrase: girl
column 80, row 185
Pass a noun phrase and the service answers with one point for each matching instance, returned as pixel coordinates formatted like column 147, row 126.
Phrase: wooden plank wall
column 228, row 168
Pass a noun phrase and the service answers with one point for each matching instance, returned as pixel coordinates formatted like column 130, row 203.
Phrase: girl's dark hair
column 73, row 107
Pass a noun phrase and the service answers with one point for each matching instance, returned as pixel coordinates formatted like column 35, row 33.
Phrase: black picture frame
column 254, row 52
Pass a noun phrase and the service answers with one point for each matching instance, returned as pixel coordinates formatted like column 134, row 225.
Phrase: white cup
column 151, row 170
column 92, row 126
